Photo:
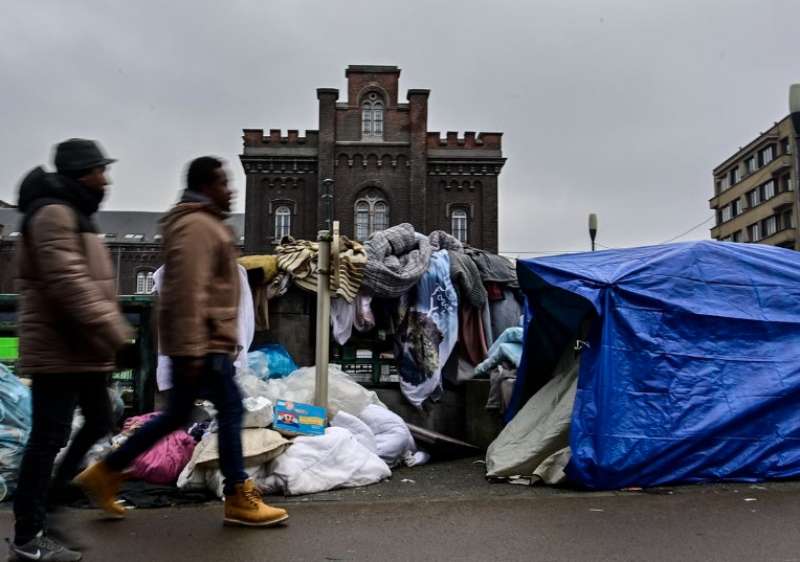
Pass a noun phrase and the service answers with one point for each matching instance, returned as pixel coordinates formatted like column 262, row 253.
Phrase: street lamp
column 593, row 228
column 327, row 202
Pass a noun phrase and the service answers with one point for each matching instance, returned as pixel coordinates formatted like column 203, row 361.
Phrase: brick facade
column 419, row 175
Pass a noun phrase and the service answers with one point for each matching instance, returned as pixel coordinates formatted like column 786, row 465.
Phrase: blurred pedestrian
column 70, row 329
column 197, row 319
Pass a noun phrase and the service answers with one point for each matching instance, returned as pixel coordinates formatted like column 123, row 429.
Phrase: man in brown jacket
column 197, row 319
column 70, row 328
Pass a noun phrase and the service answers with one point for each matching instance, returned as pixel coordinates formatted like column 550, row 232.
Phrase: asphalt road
column 727, row 523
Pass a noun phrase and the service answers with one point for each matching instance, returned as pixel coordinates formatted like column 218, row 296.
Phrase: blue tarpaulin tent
column 692, row 368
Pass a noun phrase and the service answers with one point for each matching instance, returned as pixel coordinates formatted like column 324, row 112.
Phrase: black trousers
column 54, row 399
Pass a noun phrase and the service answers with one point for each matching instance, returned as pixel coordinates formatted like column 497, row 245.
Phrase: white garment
column 343, row 314
column 321, row 463
column 246, row 327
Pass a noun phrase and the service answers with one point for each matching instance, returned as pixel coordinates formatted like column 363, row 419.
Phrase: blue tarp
column 693, row 367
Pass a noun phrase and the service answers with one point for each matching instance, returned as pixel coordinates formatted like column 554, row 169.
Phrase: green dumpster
column 136, row 384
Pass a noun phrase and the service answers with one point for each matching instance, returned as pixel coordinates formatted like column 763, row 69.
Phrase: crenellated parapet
column 255, row 138
column 470, row 140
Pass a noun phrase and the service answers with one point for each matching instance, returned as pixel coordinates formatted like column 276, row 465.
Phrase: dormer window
column 372, row 116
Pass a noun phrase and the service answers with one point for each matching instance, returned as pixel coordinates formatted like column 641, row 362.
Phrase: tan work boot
column 245, row 507
column 101, row 484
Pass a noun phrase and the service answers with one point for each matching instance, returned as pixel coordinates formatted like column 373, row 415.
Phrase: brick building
column 387, row 166
column 132, row 238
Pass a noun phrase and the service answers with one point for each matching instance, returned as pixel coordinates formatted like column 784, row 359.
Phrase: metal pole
column 324, row 300
column 323, row 320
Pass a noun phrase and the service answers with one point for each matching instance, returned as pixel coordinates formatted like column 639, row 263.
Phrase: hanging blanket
column 493, row 268
column 299, row 258
column 428, row 332
column 396, row 260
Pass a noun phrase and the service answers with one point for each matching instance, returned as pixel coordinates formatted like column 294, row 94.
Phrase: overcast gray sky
column 621, row 107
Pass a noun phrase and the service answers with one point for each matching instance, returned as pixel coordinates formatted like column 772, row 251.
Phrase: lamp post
column 322, row 354
column 593, row 228
column 794, row 110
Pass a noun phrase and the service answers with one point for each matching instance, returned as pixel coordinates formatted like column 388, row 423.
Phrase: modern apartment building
column 755, row 196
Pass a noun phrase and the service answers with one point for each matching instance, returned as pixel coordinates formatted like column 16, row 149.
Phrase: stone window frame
column 373, row 114
column 369, row 203
column 272, row 209
column 144, row 282
column 469, row 214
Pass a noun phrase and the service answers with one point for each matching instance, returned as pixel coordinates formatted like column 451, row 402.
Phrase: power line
column 695, row 227
column 556, row 252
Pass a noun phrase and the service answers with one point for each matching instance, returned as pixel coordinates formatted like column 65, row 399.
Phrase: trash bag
column 258, row 408
column 15, row 424
column 344, row 393
column 257, row 412
column 271, row 361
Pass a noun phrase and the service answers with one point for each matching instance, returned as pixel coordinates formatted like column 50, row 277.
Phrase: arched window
column 458, row 224
column 380, row 216
column 372, row 116
column 144, row 283
column 372, row 214
column 362, row 220
column 283, row 222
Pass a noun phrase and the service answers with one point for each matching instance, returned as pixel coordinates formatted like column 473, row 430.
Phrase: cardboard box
column 296, row 418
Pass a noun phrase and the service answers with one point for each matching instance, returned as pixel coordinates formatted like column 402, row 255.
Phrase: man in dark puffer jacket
column 70, row 329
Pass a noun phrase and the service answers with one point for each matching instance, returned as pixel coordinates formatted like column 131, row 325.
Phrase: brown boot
column 245, row 507
column 101, row 484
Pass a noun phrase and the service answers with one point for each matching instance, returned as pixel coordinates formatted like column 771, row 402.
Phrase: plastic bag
column 15, row 424
column 257, row 412
column 271, row 361
column 344, row 393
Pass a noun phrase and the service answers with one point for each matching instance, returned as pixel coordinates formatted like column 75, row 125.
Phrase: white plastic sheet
column 344, row 393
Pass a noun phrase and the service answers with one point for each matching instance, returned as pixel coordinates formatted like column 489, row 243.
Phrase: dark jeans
column 54, row 399
column 216, row 383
